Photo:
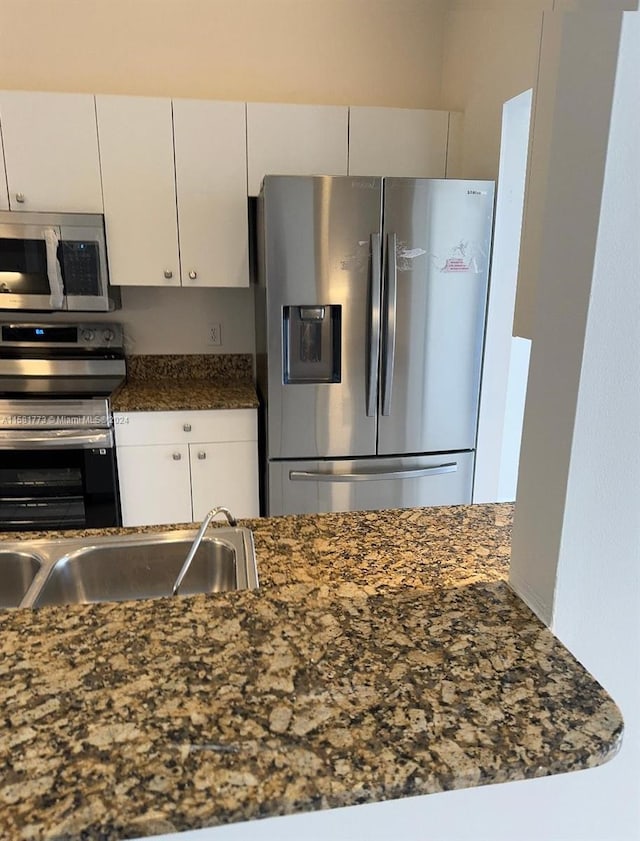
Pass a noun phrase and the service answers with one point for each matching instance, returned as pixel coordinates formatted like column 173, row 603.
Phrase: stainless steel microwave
column 54, row 261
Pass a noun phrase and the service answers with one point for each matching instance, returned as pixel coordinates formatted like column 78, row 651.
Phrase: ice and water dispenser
column 312, row 343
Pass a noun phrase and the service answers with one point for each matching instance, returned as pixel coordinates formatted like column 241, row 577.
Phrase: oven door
column 30, row 274
column 58, row 479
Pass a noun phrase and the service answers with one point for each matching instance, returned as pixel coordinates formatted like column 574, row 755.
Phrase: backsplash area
column 190, row 367
column 157, row 320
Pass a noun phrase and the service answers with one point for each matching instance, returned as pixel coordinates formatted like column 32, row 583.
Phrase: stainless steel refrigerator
column 370, row 310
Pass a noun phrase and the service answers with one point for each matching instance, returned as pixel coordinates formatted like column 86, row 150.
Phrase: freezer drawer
column 311, row 487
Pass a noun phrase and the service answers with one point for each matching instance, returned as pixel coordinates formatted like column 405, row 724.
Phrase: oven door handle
column 55, row 439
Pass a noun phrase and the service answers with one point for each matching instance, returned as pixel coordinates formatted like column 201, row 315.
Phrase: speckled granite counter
column 383, row 656
column 168, row 383
column 172, row 395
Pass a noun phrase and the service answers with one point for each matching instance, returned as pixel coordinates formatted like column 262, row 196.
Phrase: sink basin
column 17, row 572
column 141, row 570
column 123, row 567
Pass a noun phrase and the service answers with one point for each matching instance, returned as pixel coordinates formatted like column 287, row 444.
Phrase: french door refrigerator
column 370, row 309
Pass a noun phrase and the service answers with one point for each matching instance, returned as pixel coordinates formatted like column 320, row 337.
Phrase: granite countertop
column 383, row 656
column 170, row 383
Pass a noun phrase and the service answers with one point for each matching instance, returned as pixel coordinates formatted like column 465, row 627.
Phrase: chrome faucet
column 198, row 540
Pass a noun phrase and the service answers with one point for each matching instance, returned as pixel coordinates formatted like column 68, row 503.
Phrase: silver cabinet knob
column 168, row 273
column 187, row 427
column 193, row 275
column 177, row 456
column 108, row 335
column 202, row 455
column 20, row 197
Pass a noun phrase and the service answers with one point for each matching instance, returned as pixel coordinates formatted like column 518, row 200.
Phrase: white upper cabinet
column 211, row 183
column 51, row 151
column 399, row 142
column 295, row 140
column 136, row 157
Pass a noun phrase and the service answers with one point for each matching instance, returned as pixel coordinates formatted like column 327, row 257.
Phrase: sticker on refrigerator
column 463, row 258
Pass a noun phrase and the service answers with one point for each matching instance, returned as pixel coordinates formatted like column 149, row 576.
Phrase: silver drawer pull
column 379, row 476
column 177, row 456
column 202, row 455
column 193, row 275
column 20, row 198
column 168, row 274
column 187, row 427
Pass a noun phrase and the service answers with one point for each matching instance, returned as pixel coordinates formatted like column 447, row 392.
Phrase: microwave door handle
column 389, row 336
column 54, row 273
column 374, row 326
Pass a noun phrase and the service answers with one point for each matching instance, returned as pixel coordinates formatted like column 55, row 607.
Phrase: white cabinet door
column 211, row 184
column 4, row 195
column 155, row 485
column 136, row 157
column 295, row 140
column 225, row 474
column 51, row 151
column 399, row 142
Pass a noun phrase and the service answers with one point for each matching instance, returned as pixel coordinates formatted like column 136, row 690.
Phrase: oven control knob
column 108, row 335
column 88, row 335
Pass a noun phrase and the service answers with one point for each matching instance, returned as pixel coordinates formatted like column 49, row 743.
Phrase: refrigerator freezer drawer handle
column 389, row 337
column 383, row 475
column 374, row 327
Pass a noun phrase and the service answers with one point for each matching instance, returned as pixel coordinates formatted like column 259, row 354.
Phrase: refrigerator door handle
column 374, row 326
column 389, row 336
column 410, row 473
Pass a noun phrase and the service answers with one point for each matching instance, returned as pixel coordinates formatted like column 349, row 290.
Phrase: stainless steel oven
column 54, row 261
column 57, row 455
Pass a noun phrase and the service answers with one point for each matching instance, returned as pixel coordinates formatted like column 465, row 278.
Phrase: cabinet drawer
column 185, row 427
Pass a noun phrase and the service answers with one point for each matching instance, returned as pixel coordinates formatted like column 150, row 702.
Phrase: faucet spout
column 198, row 540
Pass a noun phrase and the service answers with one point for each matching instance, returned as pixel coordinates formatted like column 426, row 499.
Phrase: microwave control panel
column 80, row 265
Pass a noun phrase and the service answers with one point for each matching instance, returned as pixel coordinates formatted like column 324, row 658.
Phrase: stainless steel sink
column 138, row 566
column 17, row 572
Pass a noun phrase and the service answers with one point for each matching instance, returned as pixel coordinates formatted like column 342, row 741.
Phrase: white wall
column 597, row 595
column 568, row 223
column 583, row 411
column 503, row 375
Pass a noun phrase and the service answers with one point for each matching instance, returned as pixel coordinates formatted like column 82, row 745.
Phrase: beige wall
column 491, row 50
column 372, row 52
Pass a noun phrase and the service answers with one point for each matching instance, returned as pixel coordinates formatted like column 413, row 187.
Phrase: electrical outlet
column 215, row 335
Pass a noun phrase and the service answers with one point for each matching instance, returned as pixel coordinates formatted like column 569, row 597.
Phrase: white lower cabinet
column 155, row 484
column 175, row 466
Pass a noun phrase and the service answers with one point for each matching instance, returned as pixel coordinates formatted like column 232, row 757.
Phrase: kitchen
column 139, row 297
